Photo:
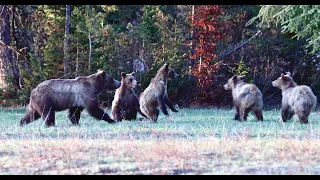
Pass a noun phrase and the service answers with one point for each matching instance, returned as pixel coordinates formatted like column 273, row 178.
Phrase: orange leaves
column 211, row 28
column 208, row 30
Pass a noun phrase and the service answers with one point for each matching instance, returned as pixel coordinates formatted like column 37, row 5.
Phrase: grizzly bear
column 73, row 94
column 246, row 98
column 155, row 95
column 125, row 104
column 296, row 99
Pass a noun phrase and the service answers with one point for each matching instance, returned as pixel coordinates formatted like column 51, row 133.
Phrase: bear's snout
column 226, row 87
column 116, row 83
column 176, row 75
column 274, row 84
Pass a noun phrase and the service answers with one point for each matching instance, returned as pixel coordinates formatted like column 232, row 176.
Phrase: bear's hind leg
column 302, row 117
column 155, row 114
column 74, row 114
column 290, row 114
column 244, row 114
column 258, row 113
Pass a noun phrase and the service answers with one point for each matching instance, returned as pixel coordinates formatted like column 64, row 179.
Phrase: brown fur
column 246, row 98
column 155, row 95
column 73, row 94
column 296, row 99
column 125, row 104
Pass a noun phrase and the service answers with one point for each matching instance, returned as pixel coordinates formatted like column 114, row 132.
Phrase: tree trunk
column 7, row 63
column 192, row 19
column 66, row 42
column 77, row 59
column 90, row 54
column 192, row 45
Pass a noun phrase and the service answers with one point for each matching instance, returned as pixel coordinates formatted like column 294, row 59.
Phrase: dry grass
column 189, row 142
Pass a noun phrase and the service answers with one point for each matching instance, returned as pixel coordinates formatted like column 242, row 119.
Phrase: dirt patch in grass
column 205, row 156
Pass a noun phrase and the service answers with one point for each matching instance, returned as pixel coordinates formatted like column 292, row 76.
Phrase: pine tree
column 301, row 20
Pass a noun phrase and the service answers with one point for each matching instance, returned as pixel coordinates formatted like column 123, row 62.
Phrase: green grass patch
column 192, row 141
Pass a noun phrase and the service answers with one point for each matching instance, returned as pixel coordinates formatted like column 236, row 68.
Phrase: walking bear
column 246, row 98
column 125, row 104
column 296, row 99
column 73, row 94
column 155, row 95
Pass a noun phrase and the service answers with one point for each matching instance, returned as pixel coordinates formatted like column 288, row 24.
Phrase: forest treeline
column 205, row 44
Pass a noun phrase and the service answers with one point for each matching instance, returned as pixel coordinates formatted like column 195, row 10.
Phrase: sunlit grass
column 192, row 141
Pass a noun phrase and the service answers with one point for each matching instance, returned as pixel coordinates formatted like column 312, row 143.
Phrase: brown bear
column 246, row 98
column 73, row 94
column 125, row 104
column 296, row 99
column 155, row 95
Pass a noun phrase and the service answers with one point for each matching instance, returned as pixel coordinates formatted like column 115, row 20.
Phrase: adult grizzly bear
column 155, row 95
column 125, row 104
column 246, row 98
column 73, row 94
column 296, row 99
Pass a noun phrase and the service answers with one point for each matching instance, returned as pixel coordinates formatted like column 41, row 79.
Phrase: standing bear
column 73, row 94
column 296, row 99
column 246, row 98
column 155, row 95
column 125, row 104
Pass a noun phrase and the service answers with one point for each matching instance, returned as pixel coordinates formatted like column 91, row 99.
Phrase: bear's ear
column 133, row 73
column 101, row 74
column 241, row 77
column 288, row 73
column 166, row 66
column 234, row 78
column 282, row 75
column 123, row 74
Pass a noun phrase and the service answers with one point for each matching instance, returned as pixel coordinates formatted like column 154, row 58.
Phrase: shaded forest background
column 205, row 44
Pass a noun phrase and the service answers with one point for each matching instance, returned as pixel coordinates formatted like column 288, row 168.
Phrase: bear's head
column 168, row 72
column 284, row 81
column 233, row 81
column 104, row 81
column 128, row 80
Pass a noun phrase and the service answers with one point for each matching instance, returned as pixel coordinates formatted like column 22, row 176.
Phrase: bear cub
column 246, row 98
column 125, row 104
column 155, row 95
column 296, row 99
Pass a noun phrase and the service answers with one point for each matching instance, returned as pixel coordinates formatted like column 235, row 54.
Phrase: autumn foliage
column 208, row 29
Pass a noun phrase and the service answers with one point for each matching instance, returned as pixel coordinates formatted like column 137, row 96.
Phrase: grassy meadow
column 192, row 141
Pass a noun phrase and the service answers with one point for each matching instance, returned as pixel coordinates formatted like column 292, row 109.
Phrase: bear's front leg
column 116, row 114
column 95, row 111
column 29, row 117
column 162, row 105
column 284, row 114
column 237, row 113
column 170, row 105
